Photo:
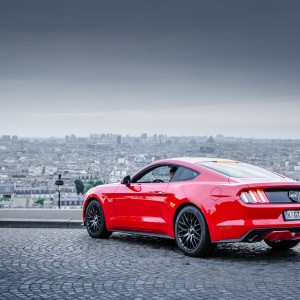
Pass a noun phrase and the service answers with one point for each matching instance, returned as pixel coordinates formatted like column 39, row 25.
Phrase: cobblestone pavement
column 68, row 264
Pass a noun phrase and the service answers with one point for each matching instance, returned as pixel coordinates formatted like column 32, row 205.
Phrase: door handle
column 159, row 192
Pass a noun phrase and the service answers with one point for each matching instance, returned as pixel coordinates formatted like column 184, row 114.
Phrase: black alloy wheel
column 191, row 231
column 95, row 221
column 282, row 245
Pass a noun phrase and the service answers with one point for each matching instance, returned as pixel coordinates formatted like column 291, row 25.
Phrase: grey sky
column 157, row 66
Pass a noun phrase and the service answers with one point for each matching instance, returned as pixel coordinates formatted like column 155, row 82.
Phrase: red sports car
column 200, row 202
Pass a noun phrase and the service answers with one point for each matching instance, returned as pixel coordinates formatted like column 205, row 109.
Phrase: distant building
column 119, row 140
column 5, row 138
column 73, row 138
column 144, row 137
column 70, row 201
column 6, row 191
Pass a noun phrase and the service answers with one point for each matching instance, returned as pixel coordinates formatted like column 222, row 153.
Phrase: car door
column 141, row 206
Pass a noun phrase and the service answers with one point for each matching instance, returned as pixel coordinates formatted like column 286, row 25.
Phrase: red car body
column 152, row 207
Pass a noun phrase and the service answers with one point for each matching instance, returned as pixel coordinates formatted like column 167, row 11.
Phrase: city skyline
column 190, row 68
column 98, row 136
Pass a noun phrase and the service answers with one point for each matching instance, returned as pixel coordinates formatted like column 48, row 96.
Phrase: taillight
column 254, row 196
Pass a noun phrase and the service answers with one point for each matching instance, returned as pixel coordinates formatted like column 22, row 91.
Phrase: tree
column 5, row 199
column 79, row 186
column 40, row 201
column 87, row 187
column 92, row 184
column 98, row 182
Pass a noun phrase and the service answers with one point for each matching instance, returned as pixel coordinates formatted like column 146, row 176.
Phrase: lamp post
column 59, row 182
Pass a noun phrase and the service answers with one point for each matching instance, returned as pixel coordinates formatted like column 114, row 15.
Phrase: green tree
column 87, row 187
column 79, row 186
column 98, row 182
column 40, row 201
column 5, row 199
column 92, row 184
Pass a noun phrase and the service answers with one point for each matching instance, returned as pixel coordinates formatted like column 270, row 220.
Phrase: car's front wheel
column 95, row 221
column 191, row 231
column 282, row 245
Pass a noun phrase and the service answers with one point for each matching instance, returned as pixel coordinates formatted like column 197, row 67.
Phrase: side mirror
column 126, row 180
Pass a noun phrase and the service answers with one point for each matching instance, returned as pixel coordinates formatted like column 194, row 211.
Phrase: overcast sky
column 157, row 66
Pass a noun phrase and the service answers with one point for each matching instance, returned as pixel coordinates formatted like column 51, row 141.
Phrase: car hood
column 104, row 188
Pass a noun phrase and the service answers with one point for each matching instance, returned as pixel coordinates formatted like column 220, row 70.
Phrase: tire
column 282, row 245
column 191, row 233
column 95, row 221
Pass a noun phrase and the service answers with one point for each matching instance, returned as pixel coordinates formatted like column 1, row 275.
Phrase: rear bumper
column 271, row 234
column 254, row 222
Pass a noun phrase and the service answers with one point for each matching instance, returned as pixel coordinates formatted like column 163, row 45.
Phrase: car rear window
column 239, row 170
column 184, row 174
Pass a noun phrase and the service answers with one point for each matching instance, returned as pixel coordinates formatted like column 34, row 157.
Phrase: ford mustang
column 199, row 202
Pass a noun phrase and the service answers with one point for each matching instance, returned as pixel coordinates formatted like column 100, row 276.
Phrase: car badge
column 293, row 196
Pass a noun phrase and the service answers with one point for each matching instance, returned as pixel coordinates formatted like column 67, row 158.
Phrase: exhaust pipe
column 254, row 239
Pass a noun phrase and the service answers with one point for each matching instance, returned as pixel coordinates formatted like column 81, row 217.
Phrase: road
column 68, row 264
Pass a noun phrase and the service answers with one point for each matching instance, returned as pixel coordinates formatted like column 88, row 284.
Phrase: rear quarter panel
column 217, row 201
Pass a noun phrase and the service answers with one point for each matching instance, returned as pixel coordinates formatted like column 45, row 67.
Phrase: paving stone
column 68, row 264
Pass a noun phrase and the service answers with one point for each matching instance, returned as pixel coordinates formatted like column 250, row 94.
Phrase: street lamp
column 59, row 182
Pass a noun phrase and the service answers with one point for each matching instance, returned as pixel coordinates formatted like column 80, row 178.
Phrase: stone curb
column 41, row 223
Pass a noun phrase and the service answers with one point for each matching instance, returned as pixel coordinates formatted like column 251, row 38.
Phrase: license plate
column 292, row 215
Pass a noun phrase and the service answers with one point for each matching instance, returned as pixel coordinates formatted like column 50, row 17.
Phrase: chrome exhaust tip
column 253, row 239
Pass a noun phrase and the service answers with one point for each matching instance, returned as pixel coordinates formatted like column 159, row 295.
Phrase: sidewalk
column 40, row 218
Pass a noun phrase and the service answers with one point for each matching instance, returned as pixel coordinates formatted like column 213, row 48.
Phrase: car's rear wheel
column 191, row 232
column 95, row 221
column 282, row 245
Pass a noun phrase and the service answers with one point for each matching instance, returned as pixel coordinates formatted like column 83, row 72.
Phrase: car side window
column 157, row 175
column 183, row 174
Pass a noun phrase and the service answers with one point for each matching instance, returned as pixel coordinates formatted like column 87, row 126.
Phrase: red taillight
column 254, row 196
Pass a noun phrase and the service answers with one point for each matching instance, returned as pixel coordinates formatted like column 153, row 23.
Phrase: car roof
column 198, row 160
